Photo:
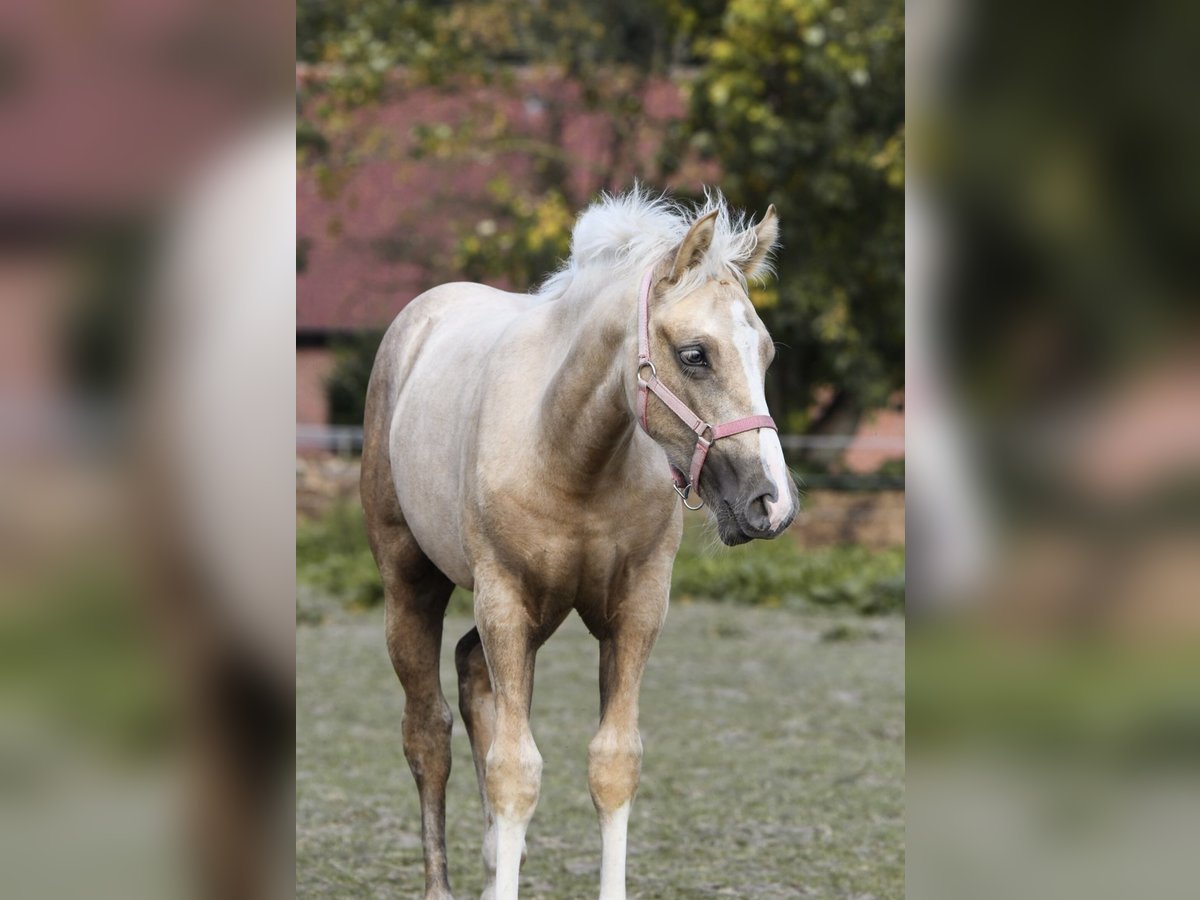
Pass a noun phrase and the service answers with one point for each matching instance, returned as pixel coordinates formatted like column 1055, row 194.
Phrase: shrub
column 782, row 573
column 332, row 554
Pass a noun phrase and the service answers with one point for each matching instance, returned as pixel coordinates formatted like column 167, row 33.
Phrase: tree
column 567, row 61
column 802, row 104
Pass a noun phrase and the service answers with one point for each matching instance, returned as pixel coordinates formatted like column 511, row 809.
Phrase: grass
column 78, row 653
column 782, row 573
column 333, row 560
column 774, row 762
column 1102, row 698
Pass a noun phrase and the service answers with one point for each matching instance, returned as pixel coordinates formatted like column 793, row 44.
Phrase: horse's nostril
column 758, row 510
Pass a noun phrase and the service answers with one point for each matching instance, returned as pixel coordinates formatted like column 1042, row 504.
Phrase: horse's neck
column 586, row 420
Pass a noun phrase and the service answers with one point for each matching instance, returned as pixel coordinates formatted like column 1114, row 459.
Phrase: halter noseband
column 727, row 429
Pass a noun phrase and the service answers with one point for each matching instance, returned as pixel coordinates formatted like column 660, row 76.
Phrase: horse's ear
column 767, row 233
column 694, row 245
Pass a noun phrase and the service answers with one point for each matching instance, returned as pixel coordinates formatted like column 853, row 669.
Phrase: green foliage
column 1090, row 698
column 802, row 104
column 106, row 316
column 359, row 42
column 781, row 573
column 799, row 102
column 79, row 657
column 346, row 386
column 362, row 49
column 334, row 559
column 332, row 556
column 370, row 34
column 524, row 242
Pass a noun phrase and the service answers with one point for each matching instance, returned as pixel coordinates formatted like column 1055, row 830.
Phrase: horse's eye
column 693, row 356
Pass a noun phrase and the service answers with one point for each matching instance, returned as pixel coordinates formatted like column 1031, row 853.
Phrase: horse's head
column 712, row 351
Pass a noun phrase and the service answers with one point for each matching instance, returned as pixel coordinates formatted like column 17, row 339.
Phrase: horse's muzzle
column 748, row 518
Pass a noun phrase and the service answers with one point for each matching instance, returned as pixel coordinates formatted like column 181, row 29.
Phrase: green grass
column 333, row 560
column 1080, row 697
column 782, row 573
column 79, row 656
column 774, row 762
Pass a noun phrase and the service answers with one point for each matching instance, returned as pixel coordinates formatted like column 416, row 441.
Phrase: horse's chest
column 566, row 564
column 588, row 558
column 569, row 568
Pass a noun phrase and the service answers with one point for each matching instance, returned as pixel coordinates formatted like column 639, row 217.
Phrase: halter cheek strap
column 683, row 486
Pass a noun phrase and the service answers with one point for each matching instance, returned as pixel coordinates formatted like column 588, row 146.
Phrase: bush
column 332, row 555
column 782, row 573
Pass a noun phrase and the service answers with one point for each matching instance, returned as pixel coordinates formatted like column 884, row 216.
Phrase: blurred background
column 146, row 493
column 1053, row 387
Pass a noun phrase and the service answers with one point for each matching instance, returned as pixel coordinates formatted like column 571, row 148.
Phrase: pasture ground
column 774, row 762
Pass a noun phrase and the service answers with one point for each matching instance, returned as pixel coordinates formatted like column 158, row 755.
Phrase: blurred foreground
column 146, row 434
column 1053, row 451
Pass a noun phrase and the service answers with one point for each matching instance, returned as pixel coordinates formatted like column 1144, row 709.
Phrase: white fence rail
column 346, row 439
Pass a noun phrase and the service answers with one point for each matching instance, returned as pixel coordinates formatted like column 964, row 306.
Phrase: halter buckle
column 642, row 363
column 683, row 495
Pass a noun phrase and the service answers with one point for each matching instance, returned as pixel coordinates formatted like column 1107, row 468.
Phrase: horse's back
column 423, row 410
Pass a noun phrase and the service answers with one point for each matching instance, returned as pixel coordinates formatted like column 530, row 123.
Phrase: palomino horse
column 512, row 447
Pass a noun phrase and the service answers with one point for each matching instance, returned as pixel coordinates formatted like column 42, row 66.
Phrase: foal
column 534, row 448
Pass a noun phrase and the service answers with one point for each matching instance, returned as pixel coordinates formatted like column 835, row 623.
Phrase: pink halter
column 690, row 419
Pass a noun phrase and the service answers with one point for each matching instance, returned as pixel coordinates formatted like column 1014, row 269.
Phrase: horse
column 537, row 449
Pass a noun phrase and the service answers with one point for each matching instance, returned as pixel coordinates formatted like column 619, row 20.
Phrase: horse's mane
column 620, row 235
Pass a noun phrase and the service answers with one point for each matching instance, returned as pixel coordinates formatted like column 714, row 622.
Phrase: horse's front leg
column 513, row 766
column 615, row 753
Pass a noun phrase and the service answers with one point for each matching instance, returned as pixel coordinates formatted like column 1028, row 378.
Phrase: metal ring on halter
column 683, row 494
column 641, row 365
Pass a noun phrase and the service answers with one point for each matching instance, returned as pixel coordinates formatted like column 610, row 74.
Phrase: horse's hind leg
column 416, row 594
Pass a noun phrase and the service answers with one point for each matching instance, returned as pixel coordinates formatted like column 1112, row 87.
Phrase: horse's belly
column 427, row 464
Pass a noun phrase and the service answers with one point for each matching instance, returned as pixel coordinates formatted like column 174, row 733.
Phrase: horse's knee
column 614, row 767
column 514, row 777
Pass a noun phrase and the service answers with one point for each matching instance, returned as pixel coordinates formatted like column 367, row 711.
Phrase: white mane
column 619, row 236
